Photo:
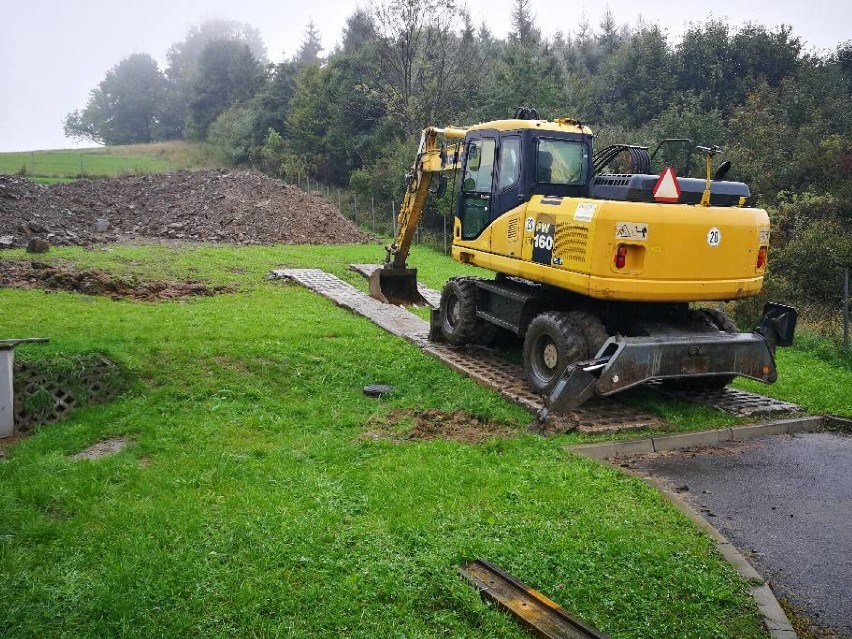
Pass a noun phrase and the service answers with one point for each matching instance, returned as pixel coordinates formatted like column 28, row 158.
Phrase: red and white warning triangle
column 667, row 189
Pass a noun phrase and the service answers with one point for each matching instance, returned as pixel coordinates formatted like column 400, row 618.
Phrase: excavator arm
column 394, row 282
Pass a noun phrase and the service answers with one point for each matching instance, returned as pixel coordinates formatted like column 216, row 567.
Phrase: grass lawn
column 249, row 503
column 68, row 165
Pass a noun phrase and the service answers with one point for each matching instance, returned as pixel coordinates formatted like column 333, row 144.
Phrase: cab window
column 510, row 163
column 562, row 162
column 477, row 187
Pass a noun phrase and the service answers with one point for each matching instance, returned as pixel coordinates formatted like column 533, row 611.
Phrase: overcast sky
column 52, row 53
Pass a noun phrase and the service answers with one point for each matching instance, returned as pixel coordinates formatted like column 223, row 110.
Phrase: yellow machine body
column 674, row 253
column 600, row 266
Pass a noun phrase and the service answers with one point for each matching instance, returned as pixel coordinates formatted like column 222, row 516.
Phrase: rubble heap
column 243, row 207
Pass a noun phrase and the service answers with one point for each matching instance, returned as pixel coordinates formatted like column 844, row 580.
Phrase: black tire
column 486, row 333
column 553, row 341
column 592, row 329
column 719, row 319
column 459, row 323
column 723, row 322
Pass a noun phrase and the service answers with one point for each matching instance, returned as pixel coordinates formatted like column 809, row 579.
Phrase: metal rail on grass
column 543, row 617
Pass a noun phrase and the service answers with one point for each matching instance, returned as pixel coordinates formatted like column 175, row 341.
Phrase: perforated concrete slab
column 481, row 365
column 394, row 319
column 730, row 400
column 599, row 416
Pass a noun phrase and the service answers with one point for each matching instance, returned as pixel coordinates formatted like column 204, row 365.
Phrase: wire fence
column 379, row 216
column 70, row 165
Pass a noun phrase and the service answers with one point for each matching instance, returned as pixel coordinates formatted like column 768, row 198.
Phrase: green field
column 68, row 165
column 251, row 503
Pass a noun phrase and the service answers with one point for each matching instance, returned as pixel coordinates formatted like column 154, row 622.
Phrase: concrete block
column 778, row 427
column 805, row 424
column 838, row 422
column 759, row 430
column 605, row 450
column 773, row 615
column 691, row 440
column 7, row 393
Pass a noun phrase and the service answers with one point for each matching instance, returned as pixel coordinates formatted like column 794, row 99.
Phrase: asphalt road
column 785, row 502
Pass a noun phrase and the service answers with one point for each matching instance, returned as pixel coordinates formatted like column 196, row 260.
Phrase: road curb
column 838, row 422
column 607, row 450
column 773, row 614
column 774, row 617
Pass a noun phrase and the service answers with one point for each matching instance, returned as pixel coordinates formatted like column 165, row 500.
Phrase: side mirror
column 722, row 171
column 474, row 158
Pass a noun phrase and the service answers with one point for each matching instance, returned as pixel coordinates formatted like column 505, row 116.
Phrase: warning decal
column 667, row 189
column 585, row 211
column 631, row 231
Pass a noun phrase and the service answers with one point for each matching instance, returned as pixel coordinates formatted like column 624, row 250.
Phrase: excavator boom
column 395, row 283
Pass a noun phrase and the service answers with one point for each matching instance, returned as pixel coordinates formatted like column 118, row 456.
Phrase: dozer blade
column 396, row 286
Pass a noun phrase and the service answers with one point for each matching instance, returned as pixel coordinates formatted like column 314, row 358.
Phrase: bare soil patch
column 428, row 425
column 731, row 448
column 67, row 277
column 104, row 448
column 242, row 207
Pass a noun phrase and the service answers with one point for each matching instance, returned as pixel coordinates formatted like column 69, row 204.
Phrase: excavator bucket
column 396, row 286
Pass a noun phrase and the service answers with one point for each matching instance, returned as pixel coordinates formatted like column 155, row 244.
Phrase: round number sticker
column 714, row 237
column 530, row 224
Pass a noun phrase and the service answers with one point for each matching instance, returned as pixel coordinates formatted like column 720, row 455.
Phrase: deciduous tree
column 125, row 107
column 428, row 61
column 228, row 74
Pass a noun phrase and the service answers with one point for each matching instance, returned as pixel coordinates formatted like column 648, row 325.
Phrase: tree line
column 352, row 117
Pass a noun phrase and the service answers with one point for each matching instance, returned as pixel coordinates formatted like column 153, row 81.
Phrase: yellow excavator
column 596, row 271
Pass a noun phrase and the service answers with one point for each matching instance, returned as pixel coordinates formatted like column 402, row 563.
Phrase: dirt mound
column 432, row 424
column 66, row 277
column 243, row 207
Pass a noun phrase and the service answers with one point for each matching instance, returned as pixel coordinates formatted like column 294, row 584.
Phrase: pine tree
column 524, row 32
column 309, row 51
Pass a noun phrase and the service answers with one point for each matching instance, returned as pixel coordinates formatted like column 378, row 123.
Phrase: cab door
column 477, row 187
column 508, row 190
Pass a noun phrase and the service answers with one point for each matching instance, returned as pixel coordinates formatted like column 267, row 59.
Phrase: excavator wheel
column 553, row 341
column 459, row 323
column 719, row 319
column 592, row 329
column 723, row 322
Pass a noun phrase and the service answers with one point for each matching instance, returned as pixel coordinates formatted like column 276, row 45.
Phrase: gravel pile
column 242, row 207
